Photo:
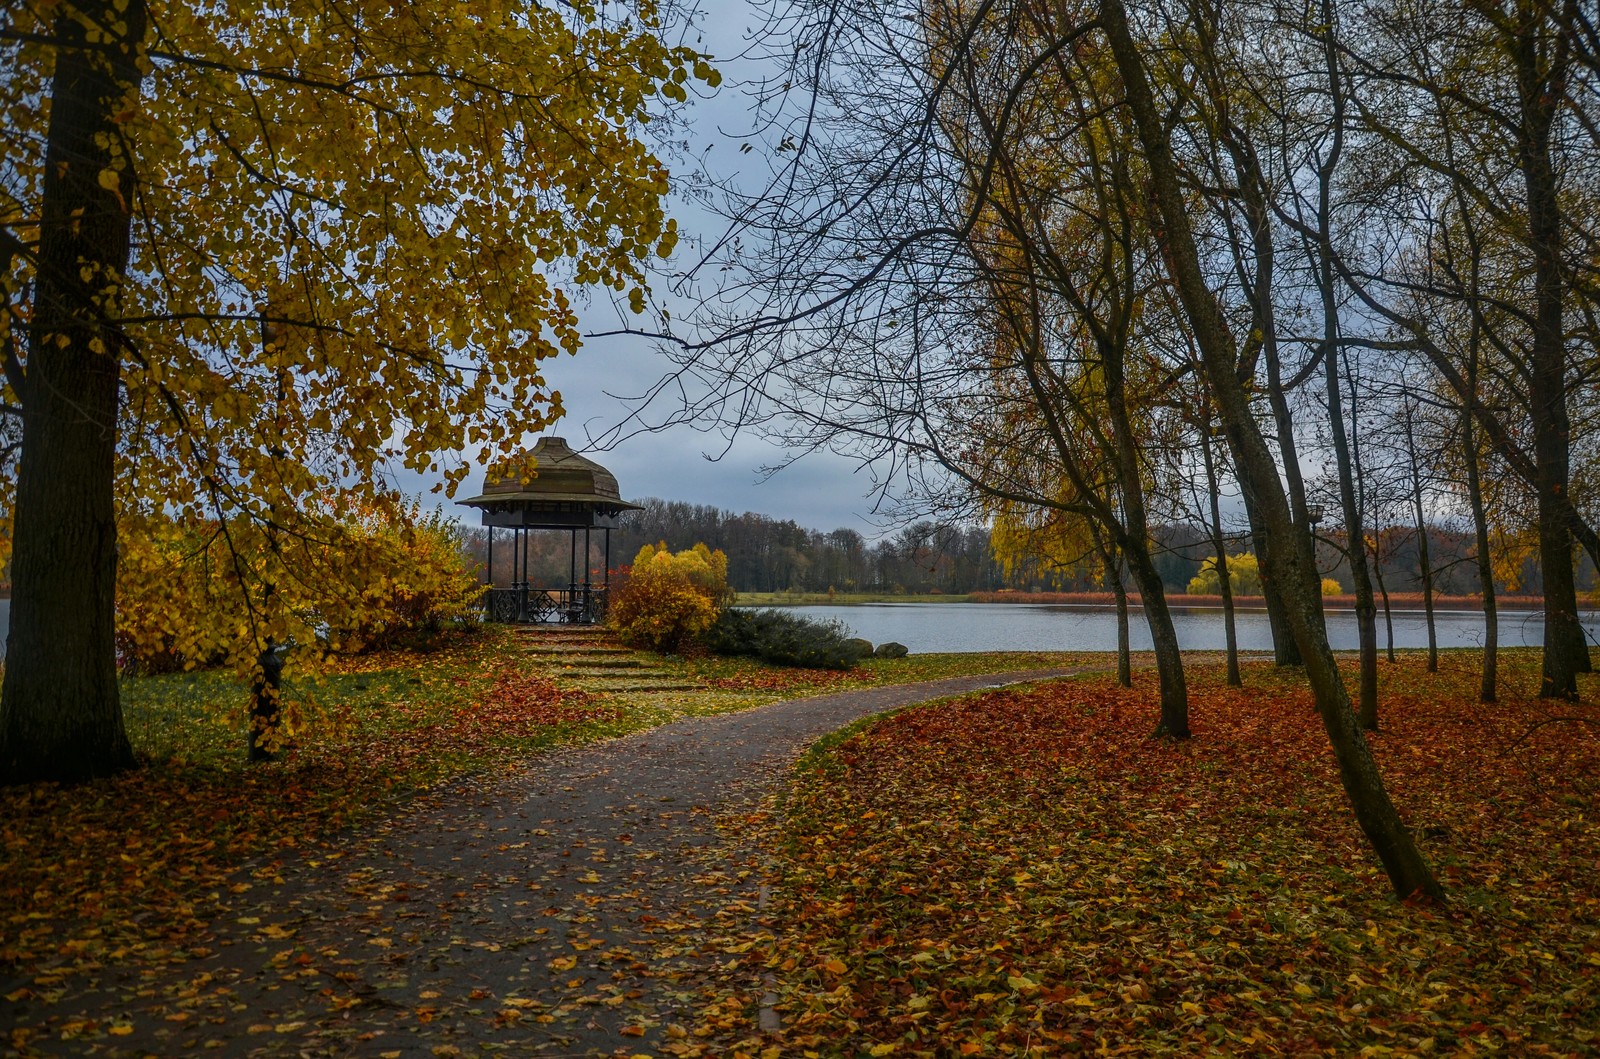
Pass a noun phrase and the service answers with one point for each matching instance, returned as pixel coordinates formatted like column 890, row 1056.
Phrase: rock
column 862, row 648
column 890, row 650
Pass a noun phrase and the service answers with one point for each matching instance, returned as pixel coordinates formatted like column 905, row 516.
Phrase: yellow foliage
column 669, row 600
column 205, row 593
column 1330, row 587
column 357, row 239
column 1244, row 577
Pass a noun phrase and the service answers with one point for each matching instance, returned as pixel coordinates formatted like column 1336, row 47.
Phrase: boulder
column 862, row 648
column 890, row 650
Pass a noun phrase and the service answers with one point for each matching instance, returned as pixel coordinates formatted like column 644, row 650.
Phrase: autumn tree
column 257, row 255
column 1488, row 115
column 1291, row 565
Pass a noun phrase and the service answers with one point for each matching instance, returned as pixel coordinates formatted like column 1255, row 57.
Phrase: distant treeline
column 779, row 555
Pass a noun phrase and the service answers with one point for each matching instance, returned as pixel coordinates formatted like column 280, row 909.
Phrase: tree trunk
column 1252, row 188
column 266, row 711
column 1388, row 614
column 1408, row 871
column 60, row 715
column 1174, row 723
column 1480, row 526
column 1224, row 585
column 1355, row 536
column 1566, row 652
column 1134, row 546
column 1285, row 652
column 1424, row 568
column 1119, row 588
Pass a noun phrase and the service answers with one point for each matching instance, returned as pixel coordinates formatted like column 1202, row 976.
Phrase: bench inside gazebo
column 568, row 493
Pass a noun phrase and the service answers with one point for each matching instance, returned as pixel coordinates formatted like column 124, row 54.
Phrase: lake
column 930, row 627
column 935, row 627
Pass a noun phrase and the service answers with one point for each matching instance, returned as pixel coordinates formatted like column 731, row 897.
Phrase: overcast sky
column 821, row 491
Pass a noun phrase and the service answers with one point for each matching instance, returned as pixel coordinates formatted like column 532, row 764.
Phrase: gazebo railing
column 530, row 605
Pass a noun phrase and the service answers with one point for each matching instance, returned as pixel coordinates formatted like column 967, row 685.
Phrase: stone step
column 598, row 650
column 610, row 663
column 614, row 674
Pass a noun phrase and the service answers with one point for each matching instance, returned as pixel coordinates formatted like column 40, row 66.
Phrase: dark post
column 264, row 713
column 490, row 564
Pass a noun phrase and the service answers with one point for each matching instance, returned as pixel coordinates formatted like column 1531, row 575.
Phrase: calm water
column 926, row 627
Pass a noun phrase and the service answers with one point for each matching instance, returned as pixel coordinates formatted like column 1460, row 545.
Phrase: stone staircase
column 590, row 658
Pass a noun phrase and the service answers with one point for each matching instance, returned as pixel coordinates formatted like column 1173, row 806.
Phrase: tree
column 264, row 255
column 1489, row 112
column 1291, row 565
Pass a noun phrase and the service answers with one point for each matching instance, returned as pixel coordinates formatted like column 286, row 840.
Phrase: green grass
column 793, row 599
column 370, row 734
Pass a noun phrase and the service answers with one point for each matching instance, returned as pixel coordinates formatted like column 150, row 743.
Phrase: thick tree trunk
column 1258, row 475
column 1566, row 652
column 1252, row 188
column 1174, row 723
column 60, row 716
column 1285, row 652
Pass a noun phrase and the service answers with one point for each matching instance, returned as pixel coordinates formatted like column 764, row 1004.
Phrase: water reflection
column 929, row 627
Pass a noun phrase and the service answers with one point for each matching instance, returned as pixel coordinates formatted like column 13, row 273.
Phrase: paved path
column 560, row 911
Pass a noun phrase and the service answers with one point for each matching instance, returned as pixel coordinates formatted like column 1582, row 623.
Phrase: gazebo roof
column 564, row 482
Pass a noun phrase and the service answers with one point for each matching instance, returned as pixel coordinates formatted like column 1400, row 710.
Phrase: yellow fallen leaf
column 121, row 1029
column 835, row 966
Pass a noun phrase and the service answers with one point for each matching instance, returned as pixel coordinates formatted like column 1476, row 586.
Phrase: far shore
column 1177, row 600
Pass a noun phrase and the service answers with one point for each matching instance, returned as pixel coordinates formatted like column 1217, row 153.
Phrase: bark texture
column 60, row 715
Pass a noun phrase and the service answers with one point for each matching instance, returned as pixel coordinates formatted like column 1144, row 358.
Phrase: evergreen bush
column 784, row 639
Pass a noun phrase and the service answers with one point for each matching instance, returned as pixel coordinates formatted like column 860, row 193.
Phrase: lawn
column 1029, row 873
column 131, row 867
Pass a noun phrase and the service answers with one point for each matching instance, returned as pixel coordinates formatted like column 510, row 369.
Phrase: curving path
column 558, row 911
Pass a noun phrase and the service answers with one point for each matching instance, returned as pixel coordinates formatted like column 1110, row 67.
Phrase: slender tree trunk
column 1388, row 615
column 1112, row 560
column 1134, row 546
column 1355, row 534
column 1485, row 563
column 60, row 715
column 1225, row 586
column 1407, row 869
column 1424, row 567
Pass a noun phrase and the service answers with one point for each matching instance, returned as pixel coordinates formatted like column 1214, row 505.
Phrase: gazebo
column 568, row 493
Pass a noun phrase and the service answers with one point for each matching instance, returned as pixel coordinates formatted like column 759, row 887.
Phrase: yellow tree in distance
column 258, row 256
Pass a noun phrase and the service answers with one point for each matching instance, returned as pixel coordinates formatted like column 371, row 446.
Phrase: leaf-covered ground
column 128, row 869
column 1028, row 873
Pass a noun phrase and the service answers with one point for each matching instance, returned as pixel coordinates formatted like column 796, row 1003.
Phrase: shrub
column 667, row 602
column 196, row 593
column 1330, row 587
column 784, row 639
column 1244, row 577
